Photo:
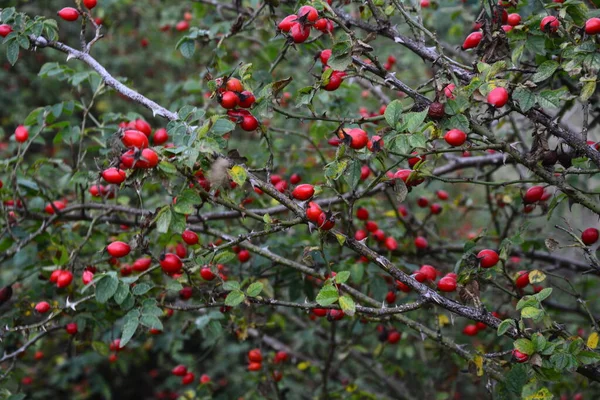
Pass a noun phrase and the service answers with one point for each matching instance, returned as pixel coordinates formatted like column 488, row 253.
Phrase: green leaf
column 347, row 305
column 234, row 298
column 121, row 293
column 106, row 288
column 524, row 346
column 254, row 289
column 505, row 326
column 222, row 126
column 545, row 70
column 539, row 341
column 12, row 52
column 151, row 321
column 132, row 321
column 588, row 357
column 163, row 220
column 187, row 48
column 527, row 301
column 516, row 378
column 353, row 174
column 459, row 121
column 531, row 312
column 100, row 348
column 178, row 223
column 231, row 285
column 589, row 88
column 141, row 288
column 342, row 276
column 393, row 112
column 417, row 140
column 524, row 98
column 412, row 121
column 327, row 295
column 238, row 174
column 357, row 270
column 186, row 201
column 224, row 257
column 543, row 294
column 174, row 286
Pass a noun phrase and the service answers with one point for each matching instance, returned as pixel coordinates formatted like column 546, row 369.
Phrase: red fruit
column 422, row 202
column 308, row 13
column 113, row 358
column 455, row 137
column 59, row 205
column 472, row 40
column 421, row 242
column 359, row 138
column 498, row 97
column 255, row 355
column 360, row 235
column 324, row 25
column 54, row 275
column 204, row 379
column 281, row 357
column 71, row 328
column 590, row 236
column 442, row 194
column 170, row 263
column 394, row 337
column 470, row 330
column 247, row 99
column 148, row 159
column 277, row 376
column 415, row 160
column 435, row 209
column 592, row 26
column 325, row 223
column 207, row 274
column 38, row 355
column 299, row 33
column 402, row 211
column 447, row 284
column 533, row 194
column 87, row 277
column 142, row 264
column 425, row 3
column 229, row 100
column 335, row 81
column 179, row 370
column 286, row 24
column 190, row 237
column 188, row 378
column 90, row 3
column 118, row 249
column 21, row 134
column 362, row 214
column 429, row 271
column 519, row 357
column 64, row 279
column 391, row 244
column 243, row 255
column 303, row 192
column 234, row 85
column 313, row 212
column 319, row 312
column 182, row 26
column 514, row 19
column 249, row 123
column 254, row 366
column 186, row 293
column 295, row 179
column 402, row 287
column 324, row 56
column 335, row 315
column 160, row 136
column 69, row 14
column 114, row 175
column 522, row 279
column 365, row 171
column 42, row 307
column 488, row 258
column 26, row 380
column 549, row 24
column 448, row 91
column 180, row 250
column 379, row 235
column 390, row 297
column 375, row 144
column 5, row 30
column 371, row 226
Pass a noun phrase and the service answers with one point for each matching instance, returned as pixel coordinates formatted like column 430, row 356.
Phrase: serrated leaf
column 347, row 305
column 231, row 285
column 238, row 174
column 132, row 322
column 504, row 326
column 224, row 257
column 106, row 288
column 174, row 286
column 393, row 113
column 186, row 200
column 222, row 126
column 151, row 321
column 327, row 295
column 342, row 276
column 545, row 70
column 524, row 98
column 531, row 312
column 234, row 298
column 187, row 48
column 141, row 288
column 121, row 293
column 524, row 346
column 163, row 221
column 412, row 121
column 588, row 89
column 254, row 289
column 12, row 52
column 543, row 294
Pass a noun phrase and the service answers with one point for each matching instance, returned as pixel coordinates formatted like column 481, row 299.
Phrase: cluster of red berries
column 62, row 278
column 72, row 14
column 534, row 195
column 324, row 220
column 474, row 329
column 336, row 77
column 188, row 377
column 331, row 314
column 298, row 25
column 391, row 335
column 231, row 94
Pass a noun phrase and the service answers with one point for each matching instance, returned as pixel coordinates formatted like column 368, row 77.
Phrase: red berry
column 592, row 26
column 429, row 271
column 59, row 205
column 188, row 378
column 435, row 209
column 375, row 144
column 179, row 370
column 90, row 3
column 42, row 307
column 498, row 97
column 488, row 258
column 362, row 214
column 286, row 24
column 394, row 337
column 324, row 222
column 160, row 136
column 64, row 279
column 448, row 91
column 422, row 202
column 21, row 134
column 470, row 330
column 69, row 14
column 533, row 194
column 549, row 24
column 415, row 160
column 309, row 13
column 319, row 312
column 254, row 366
column 190, row 237
column 247, row 99
column 455, row 137
column 204, row 379
column 447, row 284
column 442, row 194
column 390, row 297
column 303, row 192
column 421, row 242
column 182, row 26
column 360, row 235
column 519, row 357
column 170, row 263
column 71, row 328
column 255, row 355
column 514, row 19
column 234, row 85
column 590, row 236
column 249, row 123
column 207, row 274
column 472, row 40
column 118, row 249
column 359, row 138
column 295, row 179
column 142, row 264
column 243, row 255
column 371, row 226
column 324, row 25
column 114, row 175
column 299, row 33
column 186, row 293
column 229, row 100
column 365, row 171
column 148, row 159
column 5, row 30
column 335, row 81
column 391, row 244
column 522, row 279
column 87, row 277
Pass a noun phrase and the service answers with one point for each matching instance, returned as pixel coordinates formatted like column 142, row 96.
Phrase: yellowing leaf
column 351, row 388
column 443, row 320
column 592, row 341
column 478, row 360
column 542, row 394
column 303, row 365
column 536, row 276
column 391, row 214
column 238, row 174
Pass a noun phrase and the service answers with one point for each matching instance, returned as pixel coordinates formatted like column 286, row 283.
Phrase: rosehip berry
column 590, row 236
column 42, row 307
column 243, row 255
column 488, row 258
column 472, row 40
column 522, row 279
column 303, row 192
column 455, row 137
column 69, row 14
column 498, row 97
column 71, row 328
column 170, row 263
column 21, row 134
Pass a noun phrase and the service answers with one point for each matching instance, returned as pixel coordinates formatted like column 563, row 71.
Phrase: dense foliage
column 360, row 199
